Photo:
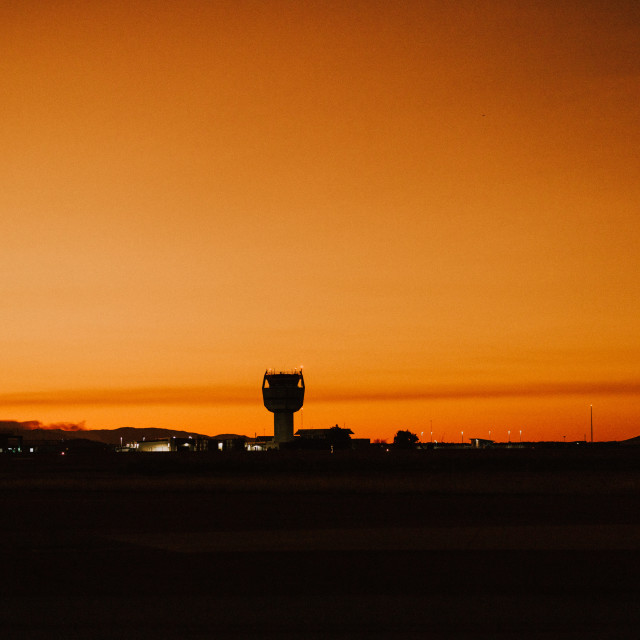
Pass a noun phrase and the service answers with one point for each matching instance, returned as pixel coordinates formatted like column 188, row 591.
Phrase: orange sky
column 432, row 206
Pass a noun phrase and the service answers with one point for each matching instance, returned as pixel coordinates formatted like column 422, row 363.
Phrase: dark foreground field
column 447, row 544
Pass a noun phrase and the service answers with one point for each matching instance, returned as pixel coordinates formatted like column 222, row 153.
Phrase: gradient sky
column 432, row 206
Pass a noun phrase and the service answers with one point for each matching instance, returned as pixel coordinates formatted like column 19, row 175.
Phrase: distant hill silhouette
column 33, row 430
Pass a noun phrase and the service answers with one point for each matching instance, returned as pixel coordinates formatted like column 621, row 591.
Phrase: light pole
column 509, row 434
column 520, row 435
column 591, row 407
column 462, row 437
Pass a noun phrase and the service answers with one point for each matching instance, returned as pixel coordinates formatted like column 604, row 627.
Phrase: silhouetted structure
column 228, row 442
column 283, row 395
column 10, row 443
column 480, row 443
column 333, row 438
column 158, row 445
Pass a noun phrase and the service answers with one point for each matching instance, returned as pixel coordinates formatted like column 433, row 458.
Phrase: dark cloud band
column 241, row 395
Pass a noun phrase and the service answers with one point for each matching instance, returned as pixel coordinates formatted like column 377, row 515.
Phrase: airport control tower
column 283, row 395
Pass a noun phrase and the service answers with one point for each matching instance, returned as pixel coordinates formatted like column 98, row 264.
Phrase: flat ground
column 454, row 544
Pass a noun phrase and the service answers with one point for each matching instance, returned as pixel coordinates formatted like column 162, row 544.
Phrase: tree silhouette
column 405, row 440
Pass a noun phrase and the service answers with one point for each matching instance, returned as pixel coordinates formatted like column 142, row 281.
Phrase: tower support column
column 282, row 427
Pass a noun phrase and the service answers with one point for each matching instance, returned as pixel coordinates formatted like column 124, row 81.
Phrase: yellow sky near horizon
column 431, row 206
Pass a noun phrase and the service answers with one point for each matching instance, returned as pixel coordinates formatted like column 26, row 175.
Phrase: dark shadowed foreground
column 453, row 544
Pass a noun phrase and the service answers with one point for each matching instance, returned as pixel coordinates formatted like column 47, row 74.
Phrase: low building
column 228, row 442
column 480, row 443
column 332, row 438
column 165, row 445
column 10, row 443
column 260, row 443
column 153, row 446
column 324, row 434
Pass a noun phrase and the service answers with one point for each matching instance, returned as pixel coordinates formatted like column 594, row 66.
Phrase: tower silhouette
column 283, row 395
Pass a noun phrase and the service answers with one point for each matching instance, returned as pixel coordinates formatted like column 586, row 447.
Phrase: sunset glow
column 434, row 206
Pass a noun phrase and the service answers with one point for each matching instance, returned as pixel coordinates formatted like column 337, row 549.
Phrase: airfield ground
column 446, row 544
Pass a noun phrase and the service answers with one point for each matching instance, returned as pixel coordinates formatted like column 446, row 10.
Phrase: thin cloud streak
column 488, row 392
column 244, row 395
column 133, row 397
